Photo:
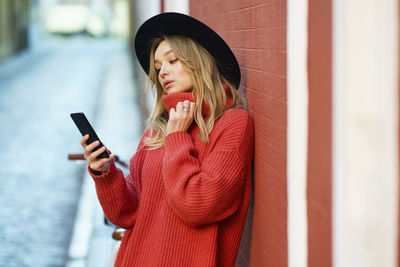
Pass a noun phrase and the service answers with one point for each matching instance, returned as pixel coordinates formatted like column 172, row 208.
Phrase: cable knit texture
column 185, row 203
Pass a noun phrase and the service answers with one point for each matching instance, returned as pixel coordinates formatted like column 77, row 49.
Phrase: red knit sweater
column 184, row 204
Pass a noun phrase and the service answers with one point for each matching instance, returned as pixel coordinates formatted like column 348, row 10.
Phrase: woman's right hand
column 96, row 164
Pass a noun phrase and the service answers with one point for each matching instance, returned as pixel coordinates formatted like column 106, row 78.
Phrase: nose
column 163, row 70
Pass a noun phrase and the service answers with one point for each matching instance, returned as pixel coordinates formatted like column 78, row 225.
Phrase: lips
column 167, row 83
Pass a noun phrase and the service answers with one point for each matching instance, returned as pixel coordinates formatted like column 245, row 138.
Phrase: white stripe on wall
column 365, row 135
column 181, row 6
column 297, row 131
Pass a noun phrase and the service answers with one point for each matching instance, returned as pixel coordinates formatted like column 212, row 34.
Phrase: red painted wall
column 256, row 32
column 319, row 176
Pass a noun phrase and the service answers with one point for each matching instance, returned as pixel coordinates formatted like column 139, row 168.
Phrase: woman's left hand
column 181, row 117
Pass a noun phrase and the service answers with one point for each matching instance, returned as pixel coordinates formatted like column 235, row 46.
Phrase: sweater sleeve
column 117, row 194
column 208, row 191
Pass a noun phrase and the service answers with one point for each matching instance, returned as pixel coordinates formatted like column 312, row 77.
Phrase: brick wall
column 256, row 32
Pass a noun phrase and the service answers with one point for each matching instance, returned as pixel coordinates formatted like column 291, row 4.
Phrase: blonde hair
column 207, row 85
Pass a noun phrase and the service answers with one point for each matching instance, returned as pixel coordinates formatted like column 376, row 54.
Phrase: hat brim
column 172, row 23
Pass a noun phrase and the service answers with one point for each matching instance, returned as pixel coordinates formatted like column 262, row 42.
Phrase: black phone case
column 85, row 128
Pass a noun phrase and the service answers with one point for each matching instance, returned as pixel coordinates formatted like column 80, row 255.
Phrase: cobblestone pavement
column 39, row 187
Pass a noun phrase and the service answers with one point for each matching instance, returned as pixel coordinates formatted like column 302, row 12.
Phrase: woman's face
column 171, row 73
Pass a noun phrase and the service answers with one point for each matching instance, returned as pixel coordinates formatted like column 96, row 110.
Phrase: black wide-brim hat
column 172, row 23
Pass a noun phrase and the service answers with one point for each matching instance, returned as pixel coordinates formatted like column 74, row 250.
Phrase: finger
column 179, row 107
column 108, row 161
column 84, row 140
column 172, row 113
column 102, row 164
column 98, row 152
column 104, row 161
column 186, row 107
column 192, row 108
column 92, row 146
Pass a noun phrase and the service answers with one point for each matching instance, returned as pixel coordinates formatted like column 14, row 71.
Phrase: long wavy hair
column 207, row 85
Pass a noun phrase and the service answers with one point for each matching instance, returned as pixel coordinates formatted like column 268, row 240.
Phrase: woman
column 185, row 200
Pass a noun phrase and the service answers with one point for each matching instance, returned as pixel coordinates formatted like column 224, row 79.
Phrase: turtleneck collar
column 171, row 100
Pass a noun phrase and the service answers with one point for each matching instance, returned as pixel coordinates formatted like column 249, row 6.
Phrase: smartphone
column 85, row 128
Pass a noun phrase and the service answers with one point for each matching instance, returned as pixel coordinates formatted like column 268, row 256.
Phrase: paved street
column 40, row 188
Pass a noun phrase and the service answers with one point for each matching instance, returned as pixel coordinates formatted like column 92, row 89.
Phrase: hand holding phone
column 85, row 128
column 95, row 153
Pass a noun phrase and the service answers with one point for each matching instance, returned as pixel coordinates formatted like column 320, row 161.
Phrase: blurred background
column 58, row 57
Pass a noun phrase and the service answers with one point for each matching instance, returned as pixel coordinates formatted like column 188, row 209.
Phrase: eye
column 173, row 61
column 157, row 70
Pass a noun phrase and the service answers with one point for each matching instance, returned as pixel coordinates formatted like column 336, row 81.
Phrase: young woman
column 185, row 200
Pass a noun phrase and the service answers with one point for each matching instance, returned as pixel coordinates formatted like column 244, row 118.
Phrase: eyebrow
column 166, row 53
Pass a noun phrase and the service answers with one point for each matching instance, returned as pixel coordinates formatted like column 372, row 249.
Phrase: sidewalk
column 118, row 124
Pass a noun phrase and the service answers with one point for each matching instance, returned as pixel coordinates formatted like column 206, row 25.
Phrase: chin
column 171, row 91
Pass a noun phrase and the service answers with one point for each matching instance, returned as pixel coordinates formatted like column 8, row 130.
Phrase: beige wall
column 365, row 136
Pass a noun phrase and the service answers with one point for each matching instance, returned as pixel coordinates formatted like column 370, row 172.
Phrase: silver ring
column 185, row 109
